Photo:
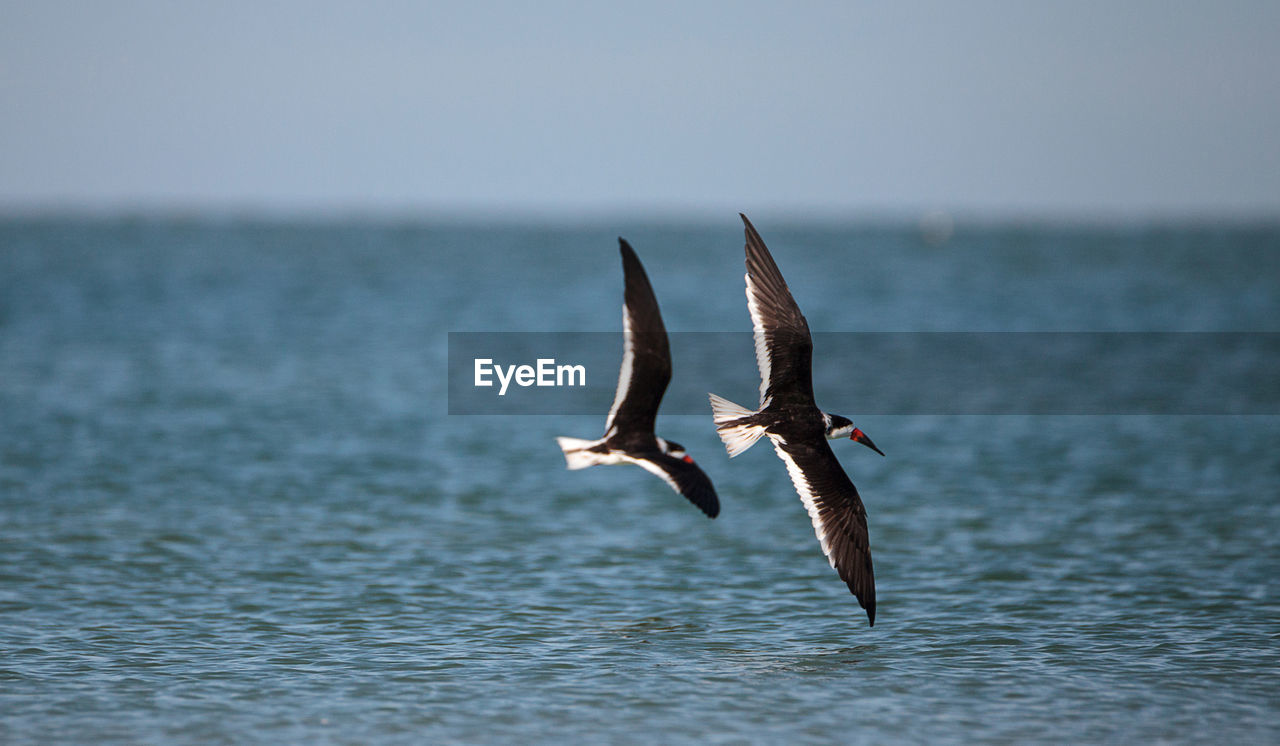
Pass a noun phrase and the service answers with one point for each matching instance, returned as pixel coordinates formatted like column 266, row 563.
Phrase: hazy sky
column 1117, row 107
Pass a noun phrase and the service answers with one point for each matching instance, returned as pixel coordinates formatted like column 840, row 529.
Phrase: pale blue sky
column 1120, row 108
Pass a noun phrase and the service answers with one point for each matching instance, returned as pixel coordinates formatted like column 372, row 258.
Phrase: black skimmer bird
column 646, row 371
column 799, row 430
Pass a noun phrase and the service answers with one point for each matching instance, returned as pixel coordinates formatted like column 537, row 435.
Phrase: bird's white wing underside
column 624, row 373
column 806, row 496
column 653, row 468
column 758, row 332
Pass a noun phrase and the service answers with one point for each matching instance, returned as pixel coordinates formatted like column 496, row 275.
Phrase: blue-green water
column 233, row 507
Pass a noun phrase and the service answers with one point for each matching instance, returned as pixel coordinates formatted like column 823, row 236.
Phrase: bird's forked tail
column 737, row 435
column 576, row 454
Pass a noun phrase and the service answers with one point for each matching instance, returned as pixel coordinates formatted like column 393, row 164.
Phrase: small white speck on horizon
column 936, row 227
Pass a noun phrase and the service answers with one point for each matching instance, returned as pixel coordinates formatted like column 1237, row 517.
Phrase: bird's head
column 671, row 448
column 839, row 427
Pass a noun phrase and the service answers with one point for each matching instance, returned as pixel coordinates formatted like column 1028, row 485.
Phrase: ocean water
column 234, row 507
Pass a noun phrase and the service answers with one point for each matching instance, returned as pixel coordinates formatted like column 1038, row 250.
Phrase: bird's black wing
column 684, row 477
column 646, row 358
column 784, row 347
column 839, row 519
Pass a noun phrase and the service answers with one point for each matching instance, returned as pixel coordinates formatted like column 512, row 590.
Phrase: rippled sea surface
column 233, row 507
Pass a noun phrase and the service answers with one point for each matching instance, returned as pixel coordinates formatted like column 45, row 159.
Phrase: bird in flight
column 799, row 431
column 646, row 370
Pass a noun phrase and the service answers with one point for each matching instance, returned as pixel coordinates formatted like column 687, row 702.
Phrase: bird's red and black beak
column 861, row 437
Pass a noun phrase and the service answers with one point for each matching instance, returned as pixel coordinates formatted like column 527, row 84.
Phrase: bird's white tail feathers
column 737, row 438
column 575, row 453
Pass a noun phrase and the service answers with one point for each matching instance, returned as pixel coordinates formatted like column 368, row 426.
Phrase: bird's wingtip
column 628, row 254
